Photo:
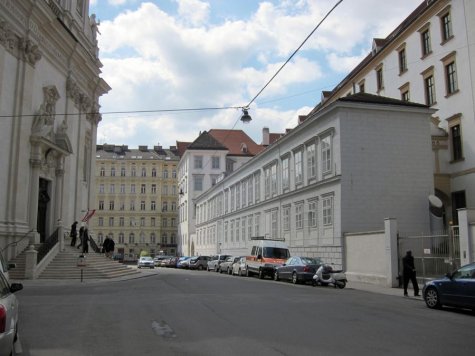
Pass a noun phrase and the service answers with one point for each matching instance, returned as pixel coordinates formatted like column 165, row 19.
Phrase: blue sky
column 172, row 54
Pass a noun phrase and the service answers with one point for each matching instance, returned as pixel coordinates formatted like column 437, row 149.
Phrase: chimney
column 143, row 148
column 265, row 136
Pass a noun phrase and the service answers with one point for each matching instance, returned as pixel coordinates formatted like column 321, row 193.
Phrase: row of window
column 133, row 172
column 198, row 162
column 153, row 189
column 293, row 169
column 153, row 205
column 133, row 221
column 142, row 238
column 242, row 229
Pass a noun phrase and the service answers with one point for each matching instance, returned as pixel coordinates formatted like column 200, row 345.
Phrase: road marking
column 163, row 329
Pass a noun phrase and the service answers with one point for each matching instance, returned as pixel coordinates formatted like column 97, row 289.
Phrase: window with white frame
column 121, row 237
column 226, row 200
column 142, row 189
column 250, row 191
column 257, row 222
column 142, row 205
column 244, row 192
column 326, row 148
column 121, row 221
column 154, row 172
column 111, row 221
column 285, row 173
column 132, row 205
column 299, row 216
column 446, row 25
column 122, row 188
column 142, row 221
column 231, row 232
column 198, row 162
column 144, row 172
column 286, row 218
column 311, row 161
column 257, row 187
column 112, row 171
column 215, row 162
column 226, row 232
column 132, row 188
column 111, row 205
column 122, row 171
column 153, row 205
column 274, row 223
column 312, row 213
column 101, row 205
column 100, row 221
column 233, row 189
column 133, row 172
column 273, row 180
column 238, row 196
column 267, row 182
column 327, row 210
column 198, row 183
column 243, row 229
column 102, row 172
column 238, row 221
column 101, row 188
column 298, row 165
column 249, row 226
column 154, row 189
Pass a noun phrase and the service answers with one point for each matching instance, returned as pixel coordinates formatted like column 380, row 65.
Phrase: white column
column 35, row 164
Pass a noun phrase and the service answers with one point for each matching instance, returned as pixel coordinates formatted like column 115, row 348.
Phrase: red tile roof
column 234, row 139
column 181, row 147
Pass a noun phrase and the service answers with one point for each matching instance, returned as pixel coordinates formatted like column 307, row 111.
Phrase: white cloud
column 153, row 60
column 117, row 2
column 194, row 12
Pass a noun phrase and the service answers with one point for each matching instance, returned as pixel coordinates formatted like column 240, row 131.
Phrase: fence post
column 466, row 247
column 390, row 235
column 30, row 262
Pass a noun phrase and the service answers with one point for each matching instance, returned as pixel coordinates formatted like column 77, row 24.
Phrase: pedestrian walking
column 74, row 233
column 111, row 248
column 409, row 273
column 105, row 245
column 81, row 235
column 85, row 241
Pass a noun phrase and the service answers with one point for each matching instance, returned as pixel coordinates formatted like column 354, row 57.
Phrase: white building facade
column 50, row 86
column 430, row 59
column 345, row 168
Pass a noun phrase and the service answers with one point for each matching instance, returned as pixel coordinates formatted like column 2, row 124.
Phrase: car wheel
column 431, row 298
column 207, row 268
column 261, row 274
column 230, row 271
column 200, row 267
column 295, row 279
column 248, row 273
column 276, row 276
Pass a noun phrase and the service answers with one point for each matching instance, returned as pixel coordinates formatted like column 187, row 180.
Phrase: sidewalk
column 373, row 288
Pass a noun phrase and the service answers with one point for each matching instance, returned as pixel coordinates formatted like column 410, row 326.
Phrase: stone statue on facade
column 43, row 123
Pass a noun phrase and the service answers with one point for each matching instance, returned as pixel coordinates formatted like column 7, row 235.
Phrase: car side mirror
column 448, row 275
column 15, row 287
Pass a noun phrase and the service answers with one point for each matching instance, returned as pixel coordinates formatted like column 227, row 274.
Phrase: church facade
column 50, row 85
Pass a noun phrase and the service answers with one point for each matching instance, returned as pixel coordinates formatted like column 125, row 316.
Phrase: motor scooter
column 326, row 275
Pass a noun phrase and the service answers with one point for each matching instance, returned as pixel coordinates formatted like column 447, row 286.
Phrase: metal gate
column 434, row 255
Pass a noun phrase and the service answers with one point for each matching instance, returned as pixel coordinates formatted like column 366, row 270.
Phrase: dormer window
column 244, row 148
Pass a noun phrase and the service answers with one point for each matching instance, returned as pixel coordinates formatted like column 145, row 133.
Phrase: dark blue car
column 456, row 289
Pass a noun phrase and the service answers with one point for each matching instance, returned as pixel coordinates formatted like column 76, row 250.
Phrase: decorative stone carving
column 43, row 123
column 7, row 37
column 81, row 100
column 29, row 51
column 94, row 116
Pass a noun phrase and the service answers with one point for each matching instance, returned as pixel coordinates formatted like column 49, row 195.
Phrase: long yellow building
column 136, row 199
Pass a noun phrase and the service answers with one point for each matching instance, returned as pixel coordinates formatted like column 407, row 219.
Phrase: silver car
column 146, row 261
column 8, row 315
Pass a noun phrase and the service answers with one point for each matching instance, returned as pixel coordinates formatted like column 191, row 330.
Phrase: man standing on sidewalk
column 409, row 273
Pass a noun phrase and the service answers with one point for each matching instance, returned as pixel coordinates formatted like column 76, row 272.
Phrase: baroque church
column 50, row 85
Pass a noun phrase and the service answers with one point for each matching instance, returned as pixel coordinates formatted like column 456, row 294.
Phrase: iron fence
column 434, row 254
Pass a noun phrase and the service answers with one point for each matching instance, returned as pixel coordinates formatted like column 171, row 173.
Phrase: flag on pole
column 88, row 215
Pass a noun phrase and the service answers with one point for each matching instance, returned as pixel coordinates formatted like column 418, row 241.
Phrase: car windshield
column 465, row 272
column 276, row 252
column 146, row 258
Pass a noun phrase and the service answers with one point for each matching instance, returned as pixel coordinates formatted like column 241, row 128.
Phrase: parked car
column 239, row 267
column 8, row 315
column 145, row 261
column 199, row 262
column 183, row 262
column 157, row 260
column 456, row 289
column 298, row 269
column 213, row 264
column 227, row 265
column 170, row 262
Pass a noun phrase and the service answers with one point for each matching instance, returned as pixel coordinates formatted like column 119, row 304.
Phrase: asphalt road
column 175, row 312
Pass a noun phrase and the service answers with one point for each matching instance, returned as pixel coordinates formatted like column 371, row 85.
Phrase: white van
column 266, row 254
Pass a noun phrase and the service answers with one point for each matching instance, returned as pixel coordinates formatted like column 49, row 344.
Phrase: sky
column 162, row 55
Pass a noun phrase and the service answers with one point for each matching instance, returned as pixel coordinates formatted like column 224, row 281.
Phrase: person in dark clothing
column 105, row 245
column 73, row 233
column 111, row 248
column 409, row 273
column 81, row 235
column 85, row 241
